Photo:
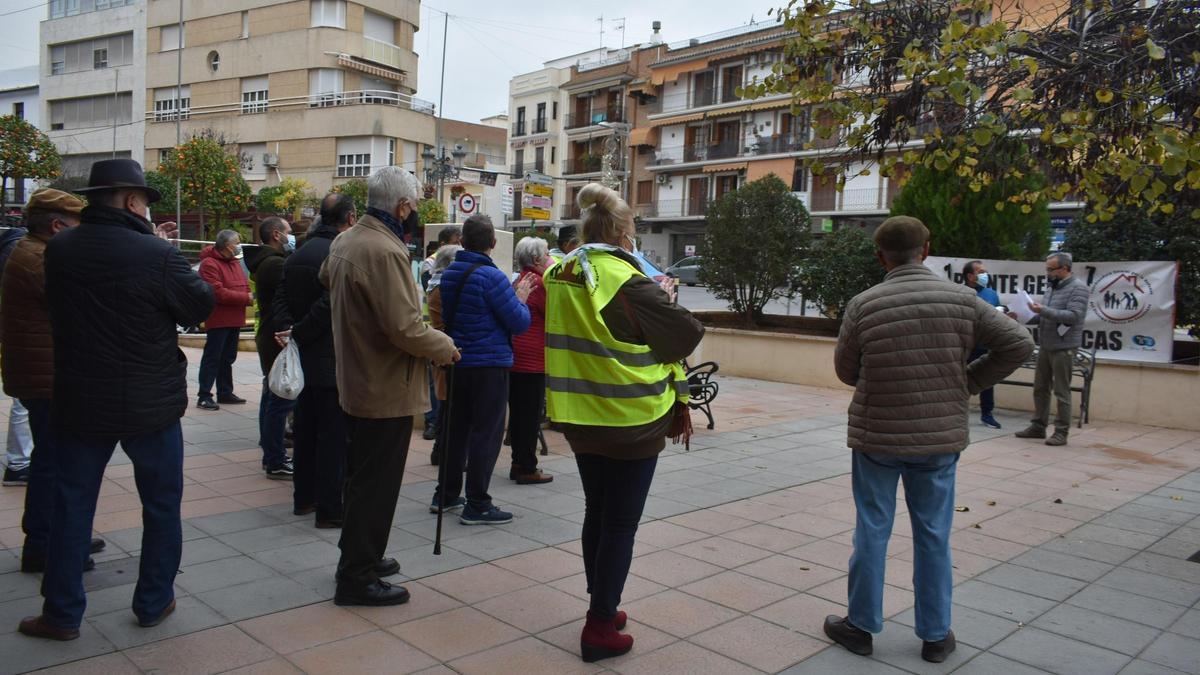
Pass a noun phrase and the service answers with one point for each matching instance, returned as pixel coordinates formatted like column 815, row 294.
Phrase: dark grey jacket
column 1063, row 306
column 904, row 345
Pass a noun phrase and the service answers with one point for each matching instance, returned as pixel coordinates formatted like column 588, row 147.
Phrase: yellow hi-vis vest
column 592, row 378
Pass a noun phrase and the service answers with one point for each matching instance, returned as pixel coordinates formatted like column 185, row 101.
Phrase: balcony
column 701, row 152
column 579, row 120
column 850, row 200
column 677, row 208
column 539, row 126
column 327, row 99
column 382, row 52
column 518, row 129
column 584, row 164
column 517, row 170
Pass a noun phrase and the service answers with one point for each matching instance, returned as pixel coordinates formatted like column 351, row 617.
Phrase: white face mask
column 633, row 242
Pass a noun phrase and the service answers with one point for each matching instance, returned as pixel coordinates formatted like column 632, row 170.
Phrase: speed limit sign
column 466, row 203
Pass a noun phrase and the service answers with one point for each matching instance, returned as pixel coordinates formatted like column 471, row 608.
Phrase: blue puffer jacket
column 485, row 315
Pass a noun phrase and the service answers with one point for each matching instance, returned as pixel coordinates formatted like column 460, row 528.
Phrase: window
column 540, row 122
column 331, row 13
column 553, row 153
column 99, row 59
column 170, row 38
column 61, row 8
column 539, row 156
column 164, row 155
column 519, row 162
column 379, row 27
column 645, row 191
column 324, row 87
column 96, row 53
column 254, row 95
column 354, row 157
column 165, row 107
column 379, row 91
column 391, row 152
column 245, row 24
column 91, row 112
column 19, row 110
column 520, row 131
column 554, row 111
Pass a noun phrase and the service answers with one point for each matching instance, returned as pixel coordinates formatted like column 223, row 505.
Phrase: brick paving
column 1068, row 560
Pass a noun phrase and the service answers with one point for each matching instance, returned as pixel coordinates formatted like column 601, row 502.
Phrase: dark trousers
column 987, row 397
column 526, row 393
column 615, row 493
column 39, row 495
column 474, row 434
column 272, row 421
column 158, row 472
column 216, row 363
column 375, row 459
column 319, row 454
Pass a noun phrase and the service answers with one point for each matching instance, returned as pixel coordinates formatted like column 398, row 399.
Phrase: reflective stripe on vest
column 591, row 377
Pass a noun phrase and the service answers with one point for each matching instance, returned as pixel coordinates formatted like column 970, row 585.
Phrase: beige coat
column 381, row 344
column 904, row 345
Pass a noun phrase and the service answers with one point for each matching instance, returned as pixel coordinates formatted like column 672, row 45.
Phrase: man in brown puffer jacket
column 904, row 346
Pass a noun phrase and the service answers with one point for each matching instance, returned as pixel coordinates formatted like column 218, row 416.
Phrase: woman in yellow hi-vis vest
column 614, row 343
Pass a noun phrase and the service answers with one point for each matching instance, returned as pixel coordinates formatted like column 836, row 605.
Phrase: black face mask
column 412, row 223
column 1053, row 282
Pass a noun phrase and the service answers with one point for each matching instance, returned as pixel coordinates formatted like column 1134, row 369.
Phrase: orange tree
column 25, row 152
column 210, row 178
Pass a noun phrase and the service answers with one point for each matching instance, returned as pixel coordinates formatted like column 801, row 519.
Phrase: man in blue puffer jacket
column 482, row 311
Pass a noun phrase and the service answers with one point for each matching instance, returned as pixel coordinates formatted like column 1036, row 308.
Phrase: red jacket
column 529, row 348
column 230, row 286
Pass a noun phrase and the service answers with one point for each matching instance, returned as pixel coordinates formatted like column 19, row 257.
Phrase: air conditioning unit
column 662, row 179
column 270, row 159
column 748, row 118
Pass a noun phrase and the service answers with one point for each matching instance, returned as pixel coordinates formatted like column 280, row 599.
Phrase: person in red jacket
column 221, row 268
column 527, row 380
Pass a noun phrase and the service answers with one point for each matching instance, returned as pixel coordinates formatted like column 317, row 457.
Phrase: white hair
column 224, row 237
column 445, row 256
column 529, row 251
column 388, row 185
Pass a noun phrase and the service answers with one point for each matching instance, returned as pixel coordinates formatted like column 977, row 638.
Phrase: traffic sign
column 538, row 178
column 506, row 198
column 466, row 203
column 536, row 201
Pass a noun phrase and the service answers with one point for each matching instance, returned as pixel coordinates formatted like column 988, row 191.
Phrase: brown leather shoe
column 36, row 626
column 534, row 477
column 1059, row 438
column 1032, row 431
column 160, row 618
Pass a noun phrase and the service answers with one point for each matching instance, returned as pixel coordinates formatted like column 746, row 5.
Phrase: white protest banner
column 1131, row 314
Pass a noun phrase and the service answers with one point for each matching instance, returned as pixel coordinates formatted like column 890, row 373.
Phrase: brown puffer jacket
column 27, row 358
column 904, row 345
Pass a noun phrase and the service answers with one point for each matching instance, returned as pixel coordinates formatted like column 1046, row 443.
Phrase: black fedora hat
column 116, row 174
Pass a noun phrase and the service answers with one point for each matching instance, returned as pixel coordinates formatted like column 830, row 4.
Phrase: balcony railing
column 518, row 170
column 853, row 199
column 591, row 118
column 518, row 129
column 382, row 52
column 539, row 126
column 584, row 164
column 677, row 208
column 318, row 100
column 701, row 151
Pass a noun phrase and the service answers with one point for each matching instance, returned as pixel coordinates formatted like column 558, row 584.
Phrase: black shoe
column 936, row 652
column 207, row 404
column 231, row 399
column 97, row 545
column 375, row 594
column 302, row 510
column 328, row 524
column 31, row 565
column 387, row 567
column 846, row 634
column 429, row 433
column 282, row 472
column 16, row 478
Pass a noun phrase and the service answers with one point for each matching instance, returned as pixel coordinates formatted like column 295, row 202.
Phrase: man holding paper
column 1060, row 333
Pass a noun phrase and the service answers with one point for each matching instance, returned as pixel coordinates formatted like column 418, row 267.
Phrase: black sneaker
column 207, row 404
column 16, row 477
column 489, row 516
column 936, row 652
column 846, row 634
column 231, row 399
column 282, row 472
column 430, row 432
column 455, row 504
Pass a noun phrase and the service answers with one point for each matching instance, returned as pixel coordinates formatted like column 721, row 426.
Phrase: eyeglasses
column 1053, row 269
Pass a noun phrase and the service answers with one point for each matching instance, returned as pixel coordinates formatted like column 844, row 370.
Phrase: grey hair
column 224, row 237
column 1062, row 259
column 529, row 251
column 445, row 256
column 388, row 185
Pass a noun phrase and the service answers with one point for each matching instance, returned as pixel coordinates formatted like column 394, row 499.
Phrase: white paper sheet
column 1021, row 307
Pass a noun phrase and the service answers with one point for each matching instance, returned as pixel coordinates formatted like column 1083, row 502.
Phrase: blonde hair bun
column 597, row 195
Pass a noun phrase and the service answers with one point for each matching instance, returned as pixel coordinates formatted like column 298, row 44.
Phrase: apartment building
column 536, row 107
column 19, row 98
column 478, row 150
column 91, row 80
column 315, row 89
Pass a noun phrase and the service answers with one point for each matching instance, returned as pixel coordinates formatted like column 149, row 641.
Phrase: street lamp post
column 440, row 167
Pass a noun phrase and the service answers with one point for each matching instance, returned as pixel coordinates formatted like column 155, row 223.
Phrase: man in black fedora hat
column 116, row 293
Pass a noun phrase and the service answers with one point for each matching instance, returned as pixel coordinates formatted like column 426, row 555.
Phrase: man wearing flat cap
column 116, row 293
column 27, row 361
column 903, row 346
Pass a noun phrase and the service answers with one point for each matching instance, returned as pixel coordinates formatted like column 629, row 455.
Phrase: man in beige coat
column 903, row 346
column 381, row 347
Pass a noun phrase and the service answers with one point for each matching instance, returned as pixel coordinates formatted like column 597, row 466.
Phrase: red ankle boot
column 600, row 640
column 620, row 619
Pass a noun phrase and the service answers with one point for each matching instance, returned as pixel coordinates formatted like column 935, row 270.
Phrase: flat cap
column 901, row 233
column 54, row 201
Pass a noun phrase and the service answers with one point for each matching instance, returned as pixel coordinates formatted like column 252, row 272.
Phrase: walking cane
column 445, row 430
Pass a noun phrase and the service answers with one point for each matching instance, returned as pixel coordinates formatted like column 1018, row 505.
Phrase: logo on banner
column 1122, row 296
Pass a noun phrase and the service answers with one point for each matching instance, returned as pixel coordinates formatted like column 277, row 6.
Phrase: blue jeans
column 43, row 468
column 20, row 439
column 216, row 362
column 158, row 472
column 615, row 493
column 929, row 493
column 475, row 434
column 987, row 397
column 272, row 421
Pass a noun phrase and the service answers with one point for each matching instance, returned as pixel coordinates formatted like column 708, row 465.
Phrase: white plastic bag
column 287, row 379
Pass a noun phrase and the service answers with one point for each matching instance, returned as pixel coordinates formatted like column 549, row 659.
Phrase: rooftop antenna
column 601, row 22
column 622, row 20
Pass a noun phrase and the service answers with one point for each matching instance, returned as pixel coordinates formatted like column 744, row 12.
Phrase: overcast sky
column 489, row 41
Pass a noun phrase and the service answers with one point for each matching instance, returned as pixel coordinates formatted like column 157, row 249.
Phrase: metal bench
column 1083, row 368
column 702, row 390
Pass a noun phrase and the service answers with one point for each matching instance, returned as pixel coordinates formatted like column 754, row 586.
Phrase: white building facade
column 19, row 97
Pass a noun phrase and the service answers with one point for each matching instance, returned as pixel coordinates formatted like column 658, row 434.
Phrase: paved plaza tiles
column 1067, row 560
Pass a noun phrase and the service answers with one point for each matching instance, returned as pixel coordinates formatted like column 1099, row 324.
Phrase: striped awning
column 375, row 71
column 717, row 168
column 643, row 136
column 677, row 119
